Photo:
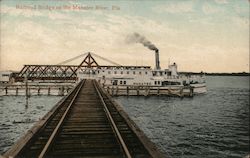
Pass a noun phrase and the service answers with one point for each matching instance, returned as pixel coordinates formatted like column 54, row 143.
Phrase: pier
column 149, row 91
column 39, row 89
column 85, row 123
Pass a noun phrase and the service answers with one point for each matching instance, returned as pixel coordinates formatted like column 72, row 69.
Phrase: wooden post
column 181, row 92
column 191, row 94
column 59, row 91
column 117, row 90
column 158, row 91
column 6, row 90
column 146, row 91
column 108, row 89
column 112, row 90
column 62, row 90
column 17, row 91
column 49, row 91
column 38, row 91
column 137, row 91
column 26, row 91
column 127, row 90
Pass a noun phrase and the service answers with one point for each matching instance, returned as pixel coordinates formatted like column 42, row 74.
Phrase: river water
column 212, row 125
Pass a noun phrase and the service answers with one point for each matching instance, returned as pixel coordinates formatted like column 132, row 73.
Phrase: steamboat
column 143, row 78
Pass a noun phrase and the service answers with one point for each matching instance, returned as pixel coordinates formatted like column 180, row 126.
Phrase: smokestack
column 137, row 38
column 157, row 61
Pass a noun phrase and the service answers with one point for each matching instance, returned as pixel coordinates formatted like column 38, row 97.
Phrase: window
column 124, row 82
column 140, row 72
column 134, row 72
column 160, row 73
column 115, row 82
column 120, row 82
column 108, row 72
column 127, row 72
column 146, row 73
column 155, row 82
column 121, row 72
column 159, row 82
column 115, row 72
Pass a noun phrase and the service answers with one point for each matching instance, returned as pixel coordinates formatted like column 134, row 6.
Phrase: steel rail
column 52, row 137
column 118, row 134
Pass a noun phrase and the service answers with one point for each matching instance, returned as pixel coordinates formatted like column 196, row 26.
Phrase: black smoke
column 137, row 38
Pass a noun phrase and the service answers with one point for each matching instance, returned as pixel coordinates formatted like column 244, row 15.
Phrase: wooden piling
column 38, row 91
column 137, row 91
column 191, row 94
column 117, row 89
column 181, row 93
column 16, row 91
column 108, row 90
column 49, row 91
column 6, row 90
column 112, row 92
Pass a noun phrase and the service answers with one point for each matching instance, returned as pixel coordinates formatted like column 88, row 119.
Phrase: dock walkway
column 85, row 123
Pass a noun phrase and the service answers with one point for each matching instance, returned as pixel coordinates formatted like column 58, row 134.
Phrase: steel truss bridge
column 66, row 72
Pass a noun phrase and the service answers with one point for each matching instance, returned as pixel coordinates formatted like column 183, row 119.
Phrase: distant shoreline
column 218, row 74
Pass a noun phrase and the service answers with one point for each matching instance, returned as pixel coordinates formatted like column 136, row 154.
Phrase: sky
column 198, row 35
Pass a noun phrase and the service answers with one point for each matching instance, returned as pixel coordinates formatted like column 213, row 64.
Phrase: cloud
column 209, row 9
column 178, row 7
column 221, row 1
column 241, row 22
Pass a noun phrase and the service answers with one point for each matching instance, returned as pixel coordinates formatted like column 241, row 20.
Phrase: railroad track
column 86, row 124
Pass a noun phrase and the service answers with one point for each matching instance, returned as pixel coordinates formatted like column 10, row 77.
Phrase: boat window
column 160, row 73
column 120, row 82
column 115, row 82
column 155, row 82
column 146, row 72
column 115, row 72
column 159, row 82
column 165, row 72
column 124, row 82
column 108, row 72
column 121, row 72
column 98, row 72
column 134, row 72
column 154, row 73
column 127, row 72
column 140, row 72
